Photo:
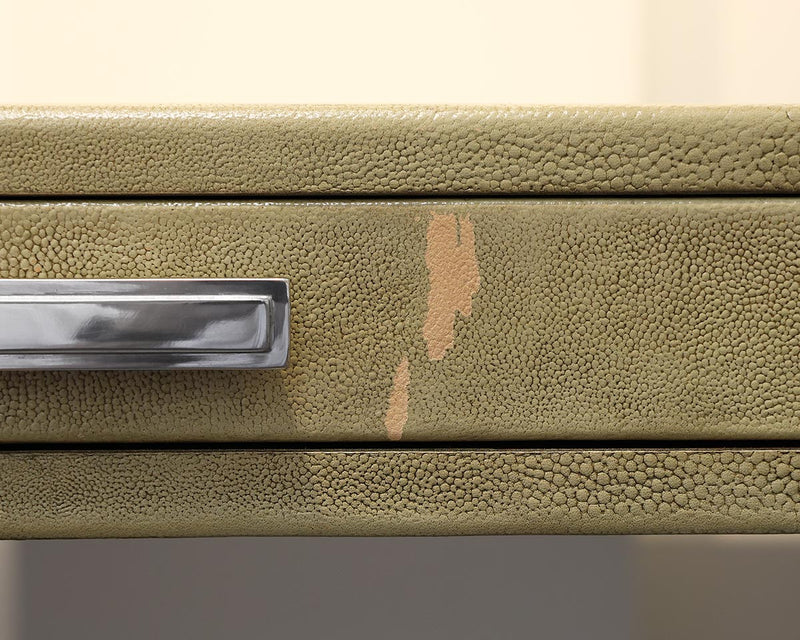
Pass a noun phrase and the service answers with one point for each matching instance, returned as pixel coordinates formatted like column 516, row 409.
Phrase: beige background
column 445, row 51
column 580, row 51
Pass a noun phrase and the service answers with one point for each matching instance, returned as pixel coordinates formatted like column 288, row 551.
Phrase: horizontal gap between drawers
column 375, row 197
column 449, row 445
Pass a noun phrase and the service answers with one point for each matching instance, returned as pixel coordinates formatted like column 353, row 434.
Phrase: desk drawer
column 438, row 320
column 499, row 320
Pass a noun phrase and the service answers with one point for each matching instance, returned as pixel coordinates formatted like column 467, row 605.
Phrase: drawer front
column 297, row 151
column 442, row 320
column 391, row 491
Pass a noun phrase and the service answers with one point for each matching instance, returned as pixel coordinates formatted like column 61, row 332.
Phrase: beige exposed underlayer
column 453, row 279
column 397, row 414
column 594, row 319
column 397, row 491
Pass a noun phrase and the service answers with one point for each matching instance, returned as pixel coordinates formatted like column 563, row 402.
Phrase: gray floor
column 464, row 588
column 717, row 587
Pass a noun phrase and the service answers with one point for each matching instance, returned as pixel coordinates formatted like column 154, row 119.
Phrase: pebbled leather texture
column 446, row 320
column 398, row 150
column 624, row 323
column 397, row 492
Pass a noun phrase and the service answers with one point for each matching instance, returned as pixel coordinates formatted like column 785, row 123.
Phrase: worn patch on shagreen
column 453, row 276
column 397, row 413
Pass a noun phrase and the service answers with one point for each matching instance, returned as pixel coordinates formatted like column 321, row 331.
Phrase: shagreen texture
column 438, row 318
column 391, row 492
column 570, row 319
column 401, row 150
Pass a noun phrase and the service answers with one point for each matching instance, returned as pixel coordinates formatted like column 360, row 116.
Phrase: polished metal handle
column 144, row 324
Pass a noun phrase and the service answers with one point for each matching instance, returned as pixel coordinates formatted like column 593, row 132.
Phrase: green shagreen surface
column 592, row 319
column 435, row 318
column 392, row 492
column 397, row 150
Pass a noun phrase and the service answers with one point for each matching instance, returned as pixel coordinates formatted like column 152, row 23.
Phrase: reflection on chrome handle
column 144, row 324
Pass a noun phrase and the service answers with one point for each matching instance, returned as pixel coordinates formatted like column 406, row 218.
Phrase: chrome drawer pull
column 144, row 324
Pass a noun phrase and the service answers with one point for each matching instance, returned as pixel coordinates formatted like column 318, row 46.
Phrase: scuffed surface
column 397, row 150
column 397, row 413
column 594, row 319
column 395, row 491
column 453, row 279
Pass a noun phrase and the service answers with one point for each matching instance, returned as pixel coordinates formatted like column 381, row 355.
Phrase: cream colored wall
column 319, row 51
column 582, row 51
column 720, row 51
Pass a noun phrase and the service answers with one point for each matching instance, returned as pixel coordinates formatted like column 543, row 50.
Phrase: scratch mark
column 397, row 413
column 454, row 279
